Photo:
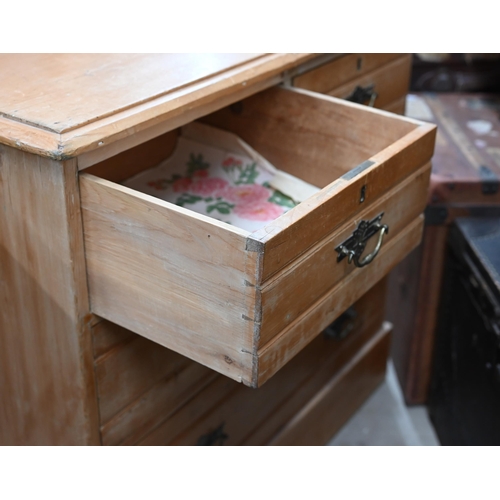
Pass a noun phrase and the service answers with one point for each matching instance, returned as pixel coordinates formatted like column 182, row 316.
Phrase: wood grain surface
column 312, row 136
column 294, row 289
column 139, row 383
column 342, row 70
column 179, row 279
column 291, row 340
column 61, row 92
column 47, row 389
column 319, row 139
column 215, row 295
column 252, row 417
column 334, row 404
column 62, row 105
column 390, row 82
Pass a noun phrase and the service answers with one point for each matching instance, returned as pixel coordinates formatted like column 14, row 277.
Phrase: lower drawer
column 153, row 396
column 244, row 416
column 332, row 406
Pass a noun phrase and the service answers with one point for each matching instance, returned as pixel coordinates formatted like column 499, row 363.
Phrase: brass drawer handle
column 353, row 247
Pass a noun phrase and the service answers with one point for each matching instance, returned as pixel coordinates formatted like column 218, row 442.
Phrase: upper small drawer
column 380, row 80
column 245, row 303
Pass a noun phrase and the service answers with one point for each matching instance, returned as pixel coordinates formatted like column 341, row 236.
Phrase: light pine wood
column 342, row 70
column 61, row 92
column 91, row 100
column 331, row 407
column 215, row 296
column 283, row 347
column 108, row 113
column 295, row 232
column 254, row 416
column 156, row 126
column 369, row 311
column 129, row 163
column 390, row 82
column 180, row 280
column 118, row 386
column 47, row 389
column 319, row 139
column 140, row 383
column 312, row 136
column 296, row 288
column 106, row 336
column 249, row 415
column 187, row 416
column 151, row 409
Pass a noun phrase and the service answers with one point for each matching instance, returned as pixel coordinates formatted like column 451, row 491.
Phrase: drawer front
column 293, row 290
column 139, row 383
column 381, row 87
column 292, row 339
column 332, row 406
column 342, row 70
column 237, row 301
column 382, row 80
column 238, row 415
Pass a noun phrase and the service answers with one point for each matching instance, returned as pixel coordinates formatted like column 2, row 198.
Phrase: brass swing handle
column 353, row 247
column 368, row 258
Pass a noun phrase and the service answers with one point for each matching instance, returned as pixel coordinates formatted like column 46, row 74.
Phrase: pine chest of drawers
column 80, row 247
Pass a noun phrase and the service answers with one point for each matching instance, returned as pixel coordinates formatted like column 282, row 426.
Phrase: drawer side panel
column 170, row 276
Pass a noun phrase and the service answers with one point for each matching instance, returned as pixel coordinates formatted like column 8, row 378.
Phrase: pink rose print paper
column 216, row 174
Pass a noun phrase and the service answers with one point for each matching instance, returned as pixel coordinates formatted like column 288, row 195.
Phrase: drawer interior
column 313, row 138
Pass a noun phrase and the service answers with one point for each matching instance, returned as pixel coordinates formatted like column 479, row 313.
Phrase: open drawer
column 245, row 303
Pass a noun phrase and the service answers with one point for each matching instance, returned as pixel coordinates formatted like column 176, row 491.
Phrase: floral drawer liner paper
column 215, row 173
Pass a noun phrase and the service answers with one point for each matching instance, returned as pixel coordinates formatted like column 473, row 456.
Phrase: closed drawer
column 245, row 303
column 225, row 412
column 343, row 69
column 384, row 85
column 380, row 79
column 332, row 406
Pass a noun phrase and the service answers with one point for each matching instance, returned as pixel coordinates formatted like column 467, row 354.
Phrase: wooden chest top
column 60, row 105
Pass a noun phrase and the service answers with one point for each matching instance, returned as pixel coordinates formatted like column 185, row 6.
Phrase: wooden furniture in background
column 465, row 181
column 62, row 114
